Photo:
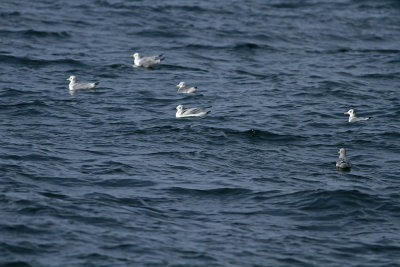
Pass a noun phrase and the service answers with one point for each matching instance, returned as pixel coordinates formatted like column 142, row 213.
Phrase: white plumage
column 353, row 118
column 73, row 85
column 184, row 89
column 191, row 112
column 343, row 162
column 146, row 62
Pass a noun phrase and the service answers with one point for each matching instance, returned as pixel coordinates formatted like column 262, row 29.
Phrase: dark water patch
column 211, row 193
column 117, row 109
column 390, row 134
column 115, row 5
column 25, row 248
column 53, row 195
column 121, row 67
column 60, row 181
column 368, row 5
column 240, row 47
column 23, row 229
column 108, row 167
column 23, row 105
column 34, row 157
column 378, row 51
column 181, row 68
column 115, row 183
column 37, row 209
column 10, row 14
column 160, row 34
column 107, row 198
column 192, row 47
column 100, row 220
column 196, row 9
column 371, row 248
column 292, row 5
column 260, row 135
column 130, row 205
column 381, row 76
column 34, row 33
column 32, row 63
column 13, row 93
column 258, row 75
column 15, row 264
column 334, row 200
column 158, row 129
column 160, row 8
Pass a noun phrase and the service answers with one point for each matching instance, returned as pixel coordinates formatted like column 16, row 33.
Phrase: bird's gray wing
column 148, row 61
column 78, row 86
column 194, row 110
column 189, row 111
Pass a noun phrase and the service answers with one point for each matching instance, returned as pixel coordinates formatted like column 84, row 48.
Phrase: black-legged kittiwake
column 191, row 112
column 146, row 62
column 353, row 118
column 343, row 162
column 184, row 89
column 73, row 85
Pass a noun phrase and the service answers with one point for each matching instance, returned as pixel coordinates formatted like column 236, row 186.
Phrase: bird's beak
column 131, row 56
column 338, row 152
column 68, row 79
column 177, row 85
column 346, row 113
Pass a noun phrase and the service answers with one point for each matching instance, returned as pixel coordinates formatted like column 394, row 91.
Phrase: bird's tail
column 160, row 57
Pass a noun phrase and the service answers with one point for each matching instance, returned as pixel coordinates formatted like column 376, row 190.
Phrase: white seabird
column 353, row 118
column 343, row 162
column 146, row 62
column 191, row 112
column 184, row 89
column 73, row 85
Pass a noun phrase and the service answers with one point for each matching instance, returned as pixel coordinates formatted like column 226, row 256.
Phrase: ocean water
column 109, row 177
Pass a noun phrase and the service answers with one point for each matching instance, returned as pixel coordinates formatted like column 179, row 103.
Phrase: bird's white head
column 342, row 152
column 181, row 84
column 136, row 55
column 351, row 112
column 179, row 108
column 72, row 78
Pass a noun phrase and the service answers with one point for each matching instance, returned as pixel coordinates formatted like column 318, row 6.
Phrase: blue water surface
column 109, row 177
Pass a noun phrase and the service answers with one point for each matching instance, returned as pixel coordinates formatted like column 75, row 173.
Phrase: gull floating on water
column 191, row 112
column 146, row 62
column 184, row 89
column 73, row 85
column 353, row 117
column 343, row 162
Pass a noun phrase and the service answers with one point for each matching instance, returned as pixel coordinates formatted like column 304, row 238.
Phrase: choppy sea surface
column 109, row 177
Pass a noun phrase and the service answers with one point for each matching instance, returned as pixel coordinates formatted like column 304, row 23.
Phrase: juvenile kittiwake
column 343, row 162
column 353, row 118
column 184, row 89
column 191, row 112
column 146, row 62
column 73, row 85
